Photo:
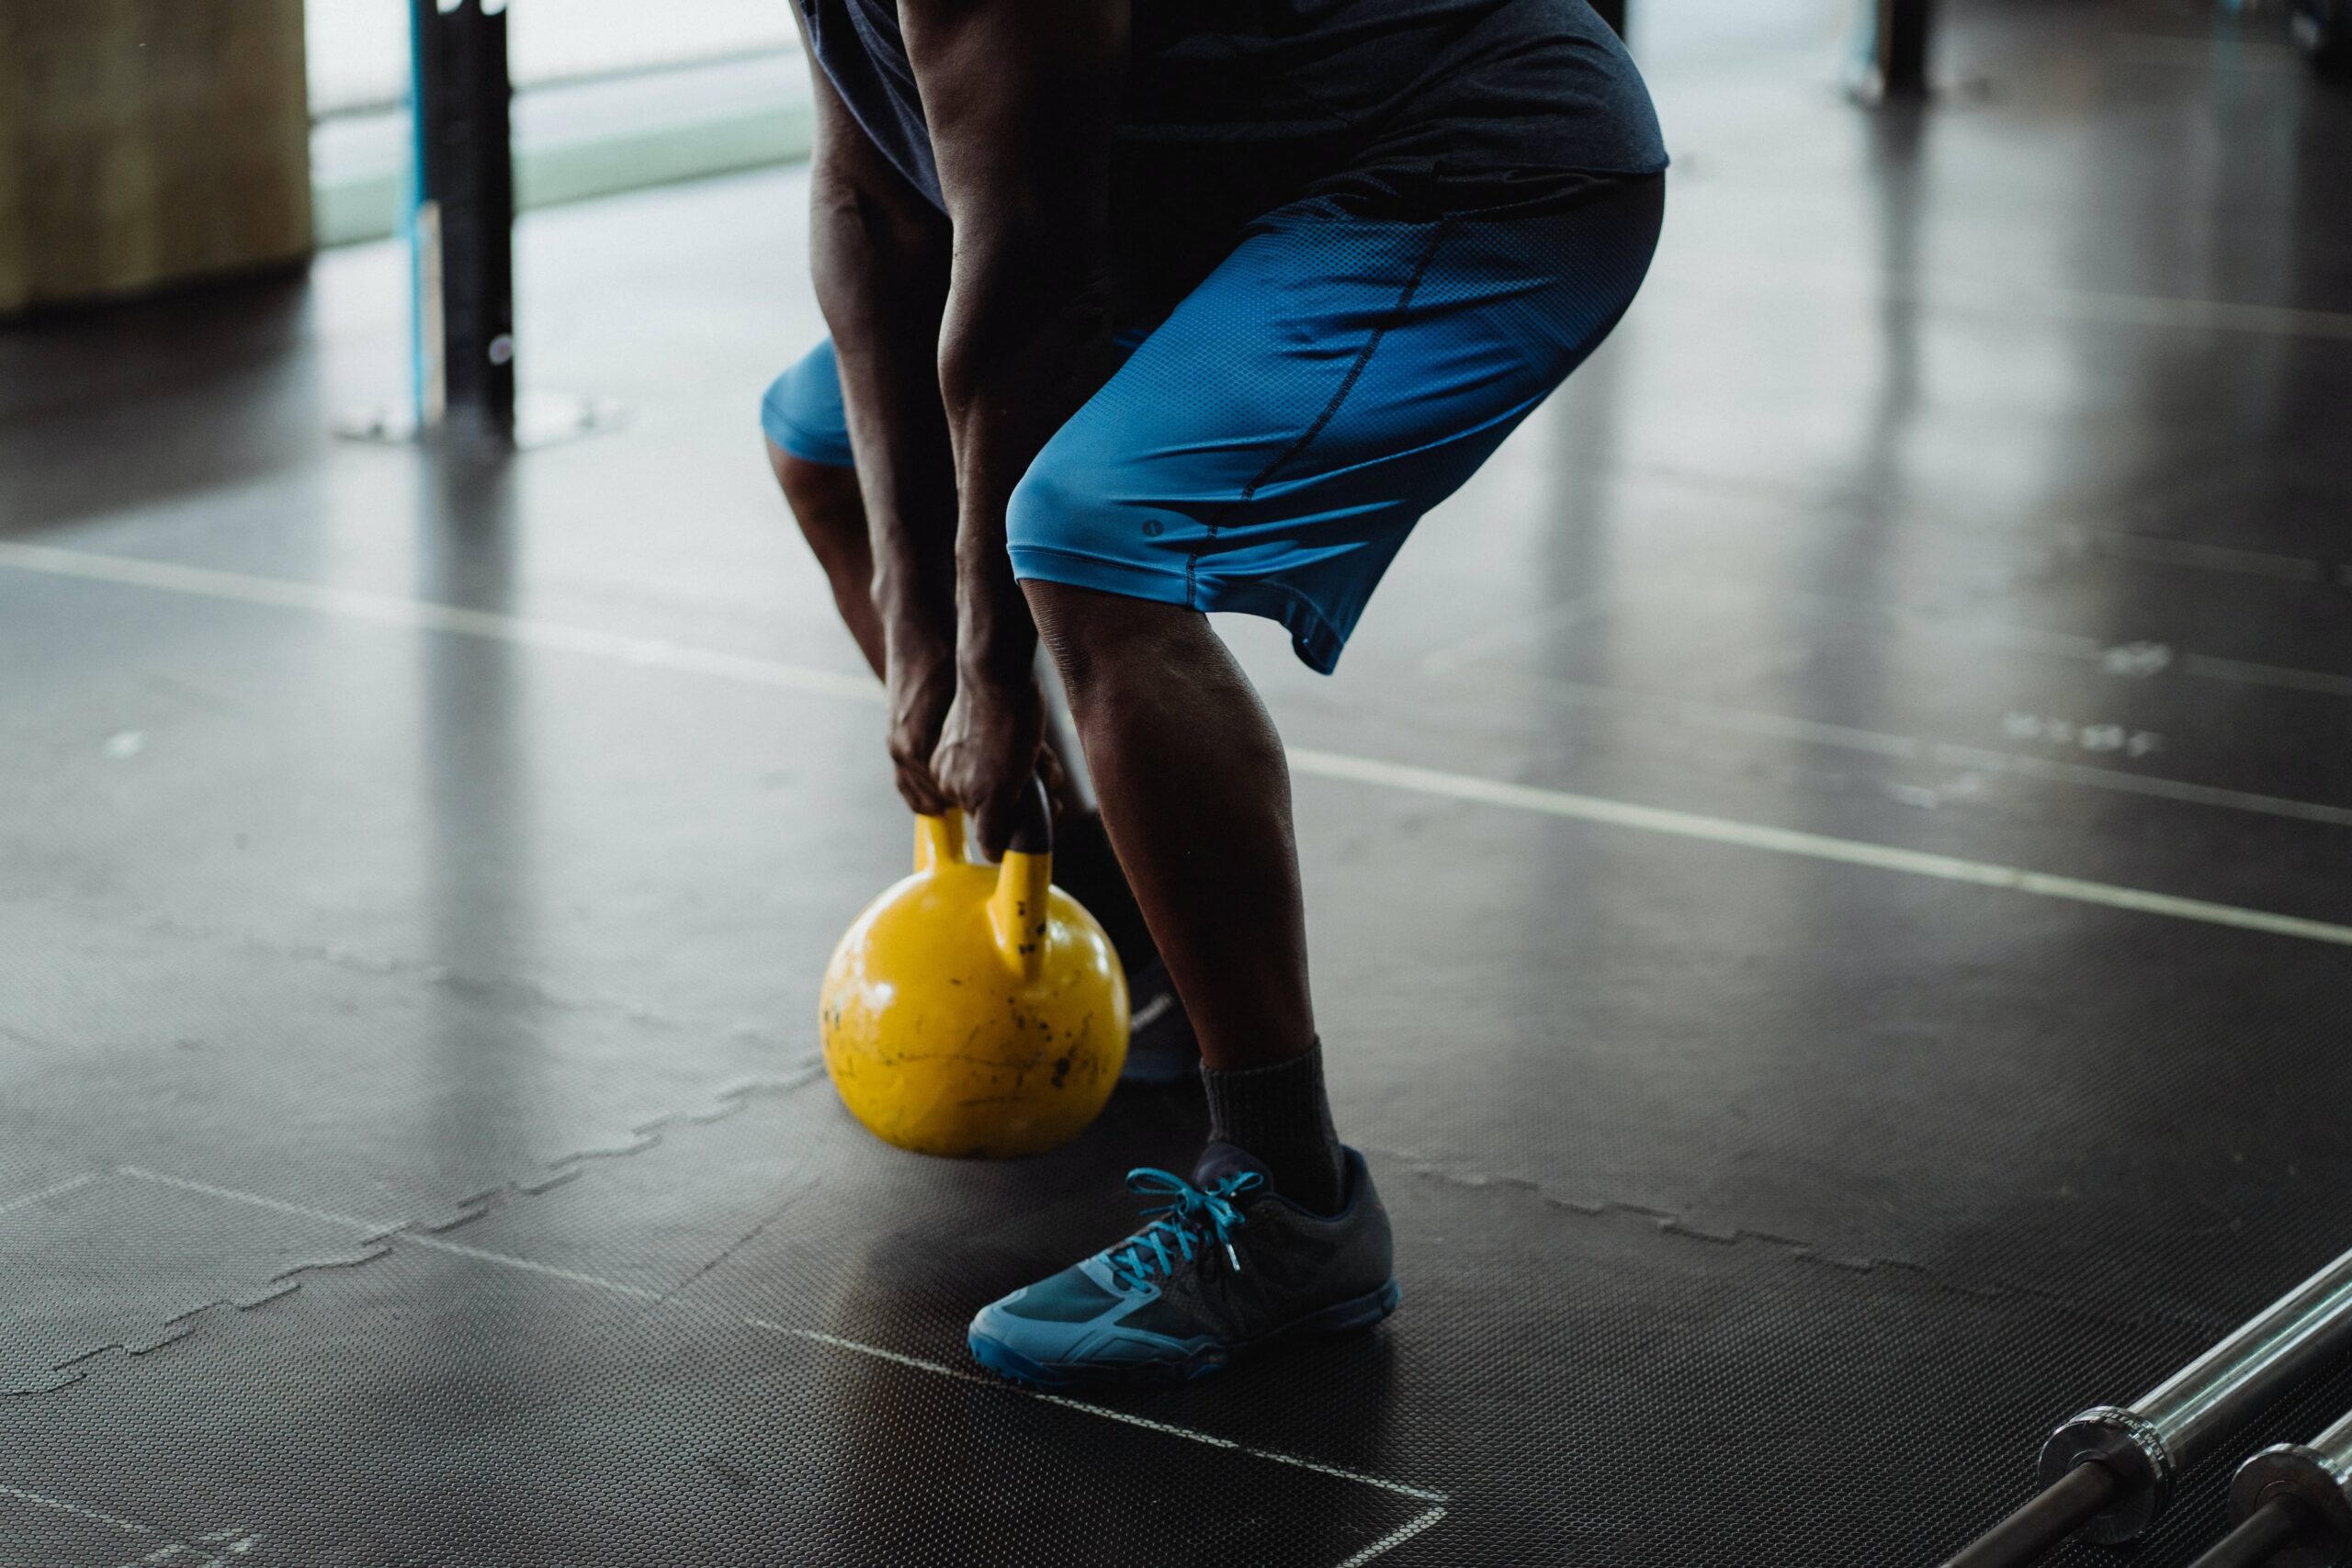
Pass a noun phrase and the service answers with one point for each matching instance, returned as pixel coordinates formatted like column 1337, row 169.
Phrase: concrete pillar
column 148, row 142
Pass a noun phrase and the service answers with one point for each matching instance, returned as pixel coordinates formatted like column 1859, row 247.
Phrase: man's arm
column 1020, row 96
column 880, row 252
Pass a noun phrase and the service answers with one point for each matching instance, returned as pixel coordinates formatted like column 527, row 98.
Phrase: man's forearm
column 1020, row 96
column 881, row 268
column 1019, row 355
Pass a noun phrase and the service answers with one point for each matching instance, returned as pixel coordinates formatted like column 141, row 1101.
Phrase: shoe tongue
column 1221, row 1160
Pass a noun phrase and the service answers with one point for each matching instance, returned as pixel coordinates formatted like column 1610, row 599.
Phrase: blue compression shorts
column 1267, row 446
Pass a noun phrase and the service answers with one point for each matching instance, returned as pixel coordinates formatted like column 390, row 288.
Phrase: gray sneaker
column 1227, row 1266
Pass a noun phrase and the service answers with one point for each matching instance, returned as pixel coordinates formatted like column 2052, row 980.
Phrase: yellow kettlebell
column 975, row 1009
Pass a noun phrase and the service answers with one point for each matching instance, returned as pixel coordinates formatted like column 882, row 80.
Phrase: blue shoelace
column 1188, row 1216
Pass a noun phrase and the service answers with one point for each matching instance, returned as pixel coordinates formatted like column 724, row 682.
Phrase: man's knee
column 1063, row 628
column 812, row 488
column 1043, row 514
column 1099, row 639
column 1066, row 508
column 802, row 413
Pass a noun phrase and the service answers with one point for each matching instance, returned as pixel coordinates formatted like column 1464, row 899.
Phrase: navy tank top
column 1443, row 104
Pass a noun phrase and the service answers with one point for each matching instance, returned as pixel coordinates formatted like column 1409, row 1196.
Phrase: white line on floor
column 57, row 1504
column 2160, row 551
column 1810, row 846
column 1331, row 1470
column 408, row 1237
column 2151, row 785
column 70, row 1184
column 1944, row 627
column 128, row 1527
column 1104, row 1412
column 2322, row 681
column 388, row 609
column 1395, row 1538
column 875, row 1351
column 1705, row 716
column 377, row 1231
column 375, row 1228
column 1694, row 714
column 392, row 610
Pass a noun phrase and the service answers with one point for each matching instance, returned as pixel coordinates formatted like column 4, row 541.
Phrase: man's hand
column 987, row 752
column 922, row 682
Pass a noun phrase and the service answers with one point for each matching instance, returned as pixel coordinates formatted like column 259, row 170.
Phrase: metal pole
column 2310, row 1485
column 2151, row 1441
column 2256, row 1543
column 2143, row 1447
column 461, row 227
column 1902, row 28
column 2033, row 1531
column 1891, row 57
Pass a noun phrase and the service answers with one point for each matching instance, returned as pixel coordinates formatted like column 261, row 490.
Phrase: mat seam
column 563, row 1168
column 355, row 961
column 1671, row 1222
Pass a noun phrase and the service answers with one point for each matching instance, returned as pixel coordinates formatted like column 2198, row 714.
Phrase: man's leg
column 1266, row 450
column 1280, row 1232
column 827, row 504
column 1195, row 792
column 1196, row 795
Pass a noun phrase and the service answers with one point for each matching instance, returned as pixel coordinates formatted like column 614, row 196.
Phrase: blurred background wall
column 148, row 142
column 143, row 143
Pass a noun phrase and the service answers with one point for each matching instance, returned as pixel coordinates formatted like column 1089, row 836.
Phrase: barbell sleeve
column 2148, row 1443
column 2111, row 1473
column 2312, row 1484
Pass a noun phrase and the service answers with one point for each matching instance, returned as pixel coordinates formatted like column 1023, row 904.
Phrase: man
column 1142, row 309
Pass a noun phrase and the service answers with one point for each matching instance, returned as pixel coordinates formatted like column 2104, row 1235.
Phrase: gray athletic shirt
column 1408, row 107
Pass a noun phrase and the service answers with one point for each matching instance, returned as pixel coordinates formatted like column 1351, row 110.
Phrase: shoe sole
column 1345, row 1317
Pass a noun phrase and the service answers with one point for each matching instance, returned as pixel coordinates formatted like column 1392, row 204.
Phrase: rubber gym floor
column 1829, row 895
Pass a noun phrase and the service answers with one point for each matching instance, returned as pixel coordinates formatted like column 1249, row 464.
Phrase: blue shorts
column 1267, row 446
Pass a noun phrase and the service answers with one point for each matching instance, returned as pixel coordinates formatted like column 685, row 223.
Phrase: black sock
column 1280, row 1114
column 1088, row 871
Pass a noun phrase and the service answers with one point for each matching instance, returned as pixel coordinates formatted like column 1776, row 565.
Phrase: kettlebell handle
column 1018, row 909
column 1033, row 831
column 939, row 840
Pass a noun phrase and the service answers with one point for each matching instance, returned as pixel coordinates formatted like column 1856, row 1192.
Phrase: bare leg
column 830, row 510
column 1196, row 795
